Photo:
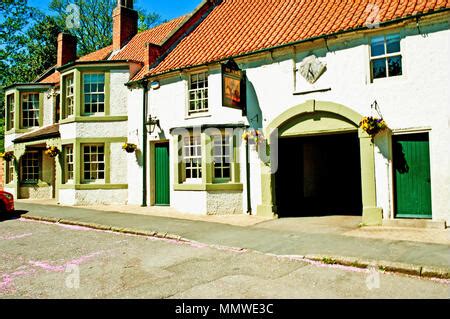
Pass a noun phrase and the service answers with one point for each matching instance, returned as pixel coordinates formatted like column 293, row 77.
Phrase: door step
column 415, row 223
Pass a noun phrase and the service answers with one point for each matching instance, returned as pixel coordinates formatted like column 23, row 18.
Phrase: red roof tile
column 52, row 78
column 135, row 49
column 241, row 26
column 98, row 55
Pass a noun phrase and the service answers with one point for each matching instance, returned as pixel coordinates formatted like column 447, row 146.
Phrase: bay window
column 68, row 163
column 30, row 167
column 30, row 110
column 192, row 158
column 93, row 163
column 222, row 150
column 94, row 93
column 10, row 109
column 69, row 94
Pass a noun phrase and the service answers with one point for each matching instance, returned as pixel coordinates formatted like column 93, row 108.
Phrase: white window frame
column 192, row 157
column 385, row 56
column 69, row 90
column 69, row 174
column 35, row 109
column 9, row 172
column 30, row 174
column 222, row 159
column 201, row 104
column 93, row 164
column 11, row 109
column 94, row 93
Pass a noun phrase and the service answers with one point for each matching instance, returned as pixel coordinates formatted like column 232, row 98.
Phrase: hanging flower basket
column 129, row 147
column 52, row 151
column 372, row 125
column 7, row 156
column 253, row 137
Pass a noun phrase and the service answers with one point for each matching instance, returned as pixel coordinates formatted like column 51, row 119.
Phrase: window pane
column 395, row 66
column 393, row 43
column 377, row 46
column 379, row 68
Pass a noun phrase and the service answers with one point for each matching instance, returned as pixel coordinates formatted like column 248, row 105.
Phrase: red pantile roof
column 98, row 55
column 135, row 49
column 238, row 27
column 52, row 78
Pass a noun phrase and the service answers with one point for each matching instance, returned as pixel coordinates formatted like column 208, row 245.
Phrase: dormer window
column 30, row 110
column 385, row 56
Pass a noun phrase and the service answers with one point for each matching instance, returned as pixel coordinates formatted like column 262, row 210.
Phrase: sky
column 167, row 9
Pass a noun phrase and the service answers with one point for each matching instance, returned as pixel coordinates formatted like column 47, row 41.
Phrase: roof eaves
column 31, row 84
column 71, row 64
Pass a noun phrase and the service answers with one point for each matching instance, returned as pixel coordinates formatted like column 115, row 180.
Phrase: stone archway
column 314, row 118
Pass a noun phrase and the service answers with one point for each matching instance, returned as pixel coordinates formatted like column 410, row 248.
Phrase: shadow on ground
column 16, row 215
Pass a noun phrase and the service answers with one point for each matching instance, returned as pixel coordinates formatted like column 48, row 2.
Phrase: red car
column 6, row 202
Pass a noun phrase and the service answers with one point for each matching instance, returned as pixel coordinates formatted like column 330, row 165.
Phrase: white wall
column 418, row 99
column 134, row 162
column 93, row 130
column 119, row 92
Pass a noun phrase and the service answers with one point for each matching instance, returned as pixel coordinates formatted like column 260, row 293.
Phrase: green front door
column 162, row 186
column 412, row 176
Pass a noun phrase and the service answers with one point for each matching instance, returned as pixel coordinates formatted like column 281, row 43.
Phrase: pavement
column 333, row 240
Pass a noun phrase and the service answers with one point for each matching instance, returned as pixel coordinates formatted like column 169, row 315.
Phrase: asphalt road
column 39, row 260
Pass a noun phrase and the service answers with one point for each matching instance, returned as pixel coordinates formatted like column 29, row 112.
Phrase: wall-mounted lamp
column 155, row 85
column 152, row 123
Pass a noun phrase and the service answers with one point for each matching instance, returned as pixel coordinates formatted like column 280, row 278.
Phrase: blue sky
column 168, row 9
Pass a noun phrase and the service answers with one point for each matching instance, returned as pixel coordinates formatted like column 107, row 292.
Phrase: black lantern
column 152, row 123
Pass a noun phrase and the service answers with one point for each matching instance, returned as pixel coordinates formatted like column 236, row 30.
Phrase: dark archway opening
column 319, row 176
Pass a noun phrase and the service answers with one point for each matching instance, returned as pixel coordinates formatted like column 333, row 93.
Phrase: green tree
column 95, row 21
column 16, row 17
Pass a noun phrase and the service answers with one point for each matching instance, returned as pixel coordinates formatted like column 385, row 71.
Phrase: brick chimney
column 125, row 23
column 67, row 49
column 152, row 52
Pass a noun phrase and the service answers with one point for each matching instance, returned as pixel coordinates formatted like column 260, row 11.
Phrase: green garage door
column 162, row 186
column 412, row 176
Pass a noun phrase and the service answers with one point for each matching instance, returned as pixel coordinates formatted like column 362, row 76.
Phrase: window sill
column 209, row 187
column 93, row 186
column 198, row 115
column 388, row 80
column 38, row 184
column 96, row 118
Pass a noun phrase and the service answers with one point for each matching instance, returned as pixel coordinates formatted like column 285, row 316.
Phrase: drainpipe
column 247, row 171
column 144, row 141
